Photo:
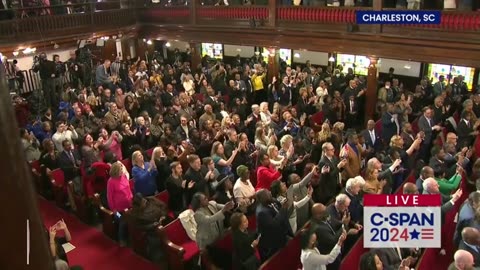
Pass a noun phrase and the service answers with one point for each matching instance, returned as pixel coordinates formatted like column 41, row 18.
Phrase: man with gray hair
column 430, row 186
column 463, row 260
column 352, row 190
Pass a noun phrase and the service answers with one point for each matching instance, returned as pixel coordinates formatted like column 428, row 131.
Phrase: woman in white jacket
column 311, row 258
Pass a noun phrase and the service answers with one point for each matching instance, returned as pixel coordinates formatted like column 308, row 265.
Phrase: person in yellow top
column 259, row 91
column 156, row 79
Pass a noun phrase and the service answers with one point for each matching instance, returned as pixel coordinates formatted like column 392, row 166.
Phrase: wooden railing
column 294, row 16
column 31, row 23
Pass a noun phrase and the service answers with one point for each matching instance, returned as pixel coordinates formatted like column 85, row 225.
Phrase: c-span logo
column 405, row 221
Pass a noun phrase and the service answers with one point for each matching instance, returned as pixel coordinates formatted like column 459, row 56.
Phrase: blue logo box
column 398, row 17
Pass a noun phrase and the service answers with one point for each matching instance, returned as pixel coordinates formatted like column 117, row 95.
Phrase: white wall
column 25, row 62
column 234, row 50
column 316, row 58
column 401, row 67
column 180, row 45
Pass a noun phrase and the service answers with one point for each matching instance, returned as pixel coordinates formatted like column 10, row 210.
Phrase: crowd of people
column 236, row 140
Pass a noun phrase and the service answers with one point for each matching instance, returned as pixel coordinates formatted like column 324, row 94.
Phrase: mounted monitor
column 213, row 50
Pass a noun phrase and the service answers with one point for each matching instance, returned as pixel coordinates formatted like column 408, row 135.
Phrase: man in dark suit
column 470, row 242
column 390, row 124
column 407, row 135
column 430, row 129
column 339, row 213
column 328, row 232
column 351, row 112
column 69, row 161
column 328, row 187
column 352, row 190
column 372, row 139
column 425, row 173
column 430, row 186
column 272, row 224
column 167, row 97
column 184, row 130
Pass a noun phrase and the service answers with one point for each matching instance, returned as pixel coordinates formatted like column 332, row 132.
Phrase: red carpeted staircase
column 94, row 251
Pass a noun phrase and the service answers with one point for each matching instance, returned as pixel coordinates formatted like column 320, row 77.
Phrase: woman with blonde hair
column 119, row 195
column 337, row 134
column 265, row 114
column 275, row 159
column 372, row 184
column 325, row 134
column 288, row 151
column 262, row 141
column 188, row 85
column 145, row 174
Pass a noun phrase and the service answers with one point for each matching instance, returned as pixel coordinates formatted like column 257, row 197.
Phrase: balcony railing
column 27, row 23
column 284, row 16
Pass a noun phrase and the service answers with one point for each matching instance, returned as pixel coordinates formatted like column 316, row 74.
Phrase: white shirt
column 242, row 191
column 312, row 259
column 372, row 135
column 58, row 138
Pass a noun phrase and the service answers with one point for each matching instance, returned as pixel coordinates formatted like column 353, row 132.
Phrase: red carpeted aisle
column 94, row 251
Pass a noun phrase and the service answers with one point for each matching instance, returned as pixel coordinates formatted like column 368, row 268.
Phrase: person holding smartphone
column 56, row 242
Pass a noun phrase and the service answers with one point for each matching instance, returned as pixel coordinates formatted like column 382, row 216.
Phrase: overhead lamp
column 296, row 55
column 149, row 42
column 28, row 51
column 15, row 53
column 144, row 40
column 56, row 46
column 257, row 53
column 331, row 59
column 168, row 44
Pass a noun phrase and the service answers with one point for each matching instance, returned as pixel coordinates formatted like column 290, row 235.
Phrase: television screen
column 286, row 55
column 435, row 70
column 213, row 50
column 361, row 65
column 345, row 60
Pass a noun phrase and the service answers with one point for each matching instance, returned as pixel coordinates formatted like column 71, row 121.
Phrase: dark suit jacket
column 424, row 126
column 407, row 140
column 389, row 128
column 274, row 228
column 181, row 134
column 475, row 253
column 463, row 132
column 446, row 205
column 327, row 238
column 355, row 208
column 330, row 181
column 67, row 166
column 377, row 146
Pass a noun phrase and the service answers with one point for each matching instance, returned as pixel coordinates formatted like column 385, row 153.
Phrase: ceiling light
column 28, row 51
column 168, row 44
column 15, row 53
column 56, row 46
column 144, row 40
column 149, row 42
column 331, row 59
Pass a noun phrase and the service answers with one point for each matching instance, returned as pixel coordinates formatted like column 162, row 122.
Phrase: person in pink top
column 119, row 197
column 119, row 194
column 112, row 143
column 266, row 174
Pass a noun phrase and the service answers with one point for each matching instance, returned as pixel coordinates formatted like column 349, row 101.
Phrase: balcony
column 29, row 24
column 455, row 39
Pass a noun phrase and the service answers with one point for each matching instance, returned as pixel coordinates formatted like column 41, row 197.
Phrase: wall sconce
column 257, row 53
column 296, row 55
column 149, row 42
column 56, row 46
column 168, row 44
column 331, row 59
column 15, row 53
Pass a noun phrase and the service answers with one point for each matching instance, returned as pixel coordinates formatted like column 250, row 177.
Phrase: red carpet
column 94, row 251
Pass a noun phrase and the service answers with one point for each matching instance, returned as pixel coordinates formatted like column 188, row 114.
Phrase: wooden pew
column 109, row 226
column 179, row 248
